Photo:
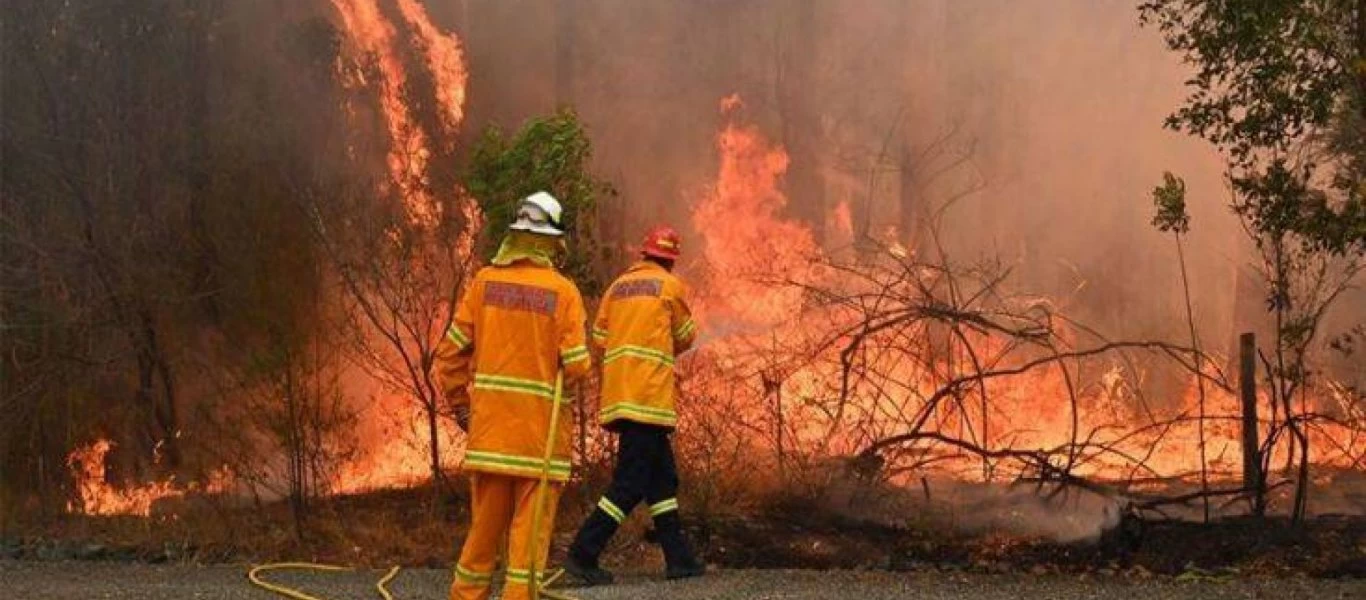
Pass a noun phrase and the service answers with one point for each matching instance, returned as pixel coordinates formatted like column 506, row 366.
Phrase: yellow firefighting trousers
column 503, row 505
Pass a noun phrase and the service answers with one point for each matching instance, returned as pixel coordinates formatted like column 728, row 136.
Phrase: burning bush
column 901, row 368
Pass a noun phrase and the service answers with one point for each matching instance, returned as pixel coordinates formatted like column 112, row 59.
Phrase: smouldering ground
column 108, row 580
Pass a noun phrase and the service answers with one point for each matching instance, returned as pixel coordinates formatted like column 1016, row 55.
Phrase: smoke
column 1034, row 130
column 970, row 508
column 1023, row 511
column 1070, row 516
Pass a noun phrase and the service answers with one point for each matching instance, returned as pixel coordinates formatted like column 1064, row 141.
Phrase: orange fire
column 445, row 61
column 747, row 245
column 399, row 35
column 96, row 496
column 761, row 366
column 396, row 449
column 375, row 35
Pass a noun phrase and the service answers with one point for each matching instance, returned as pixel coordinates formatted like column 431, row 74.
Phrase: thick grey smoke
column 1039, row 125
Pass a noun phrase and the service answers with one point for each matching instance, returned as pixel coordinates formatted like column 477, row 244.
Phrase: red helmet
column 662, row 242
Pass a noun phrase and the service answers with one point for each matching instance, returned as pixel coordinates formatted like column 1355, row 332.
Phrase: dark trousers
column 645, row 471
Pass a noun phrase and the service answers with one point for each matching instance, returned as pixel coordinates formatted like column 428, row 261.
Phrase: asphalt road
column 101, row 580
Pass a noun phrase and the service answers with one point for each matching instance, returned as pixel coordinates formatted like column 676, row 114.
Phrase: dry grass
column 411, row 527
column 840, row 528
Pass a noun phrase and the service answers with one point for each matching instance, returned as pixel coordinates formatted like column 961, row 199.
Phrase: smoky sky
column 1038, row 124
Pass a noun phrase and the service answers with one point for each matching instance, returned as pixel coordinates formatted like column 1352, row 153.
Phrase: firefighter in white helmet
column 518, row 324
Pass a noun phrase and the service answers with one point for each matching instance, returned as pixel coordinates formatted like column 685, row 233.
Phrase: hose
column 379, row 586
column 254, row 576
column 542, row 486
column 538, row 590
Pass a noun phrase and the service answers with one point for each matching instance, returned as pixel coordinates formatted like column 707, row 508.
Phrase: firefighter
column 519, row 322
column 642, row 324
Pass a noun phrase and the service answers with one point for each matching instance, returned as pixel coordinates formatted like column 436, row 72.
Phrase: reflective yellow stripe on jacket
column 642, row 325
column 516, row 326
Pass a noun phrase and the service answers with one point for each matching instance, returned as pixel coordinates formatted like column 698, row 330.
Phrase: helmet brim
column 536, row 229
column 660, row 253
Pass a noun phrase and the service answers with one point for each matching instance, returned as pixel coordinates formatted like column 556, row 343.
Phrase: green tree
column 1170, row 201
column 550, row 153
column 1280, row 89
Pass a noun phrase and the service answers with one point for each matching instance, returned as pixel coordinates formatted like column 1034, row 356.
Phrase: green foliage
column 1277, row 89
column 549, row 153
column 1170, row 200
column 1266, row 71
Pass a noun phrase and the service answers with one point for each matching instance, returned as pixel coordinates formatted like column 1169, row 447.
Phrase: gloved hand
column 462, row 417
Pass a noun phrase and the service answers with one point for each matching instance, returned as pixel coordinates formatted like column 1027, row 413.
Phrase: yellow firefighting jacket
column 642, row 324
column 514, row 328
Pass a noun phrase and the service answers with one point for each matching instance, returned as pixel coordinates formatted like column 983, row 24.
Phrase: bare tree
column 145, row 201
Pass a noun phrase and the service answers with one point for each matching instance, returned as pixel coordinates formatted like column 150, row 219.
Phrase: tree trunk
column 163, row 405
column 299, row 450
column 435, row 445
column 924, row 91
column 1199, row 372
column 1252, row 460
column 778, row 418
column 913, row 221
column 1302, row 489
column 800, row 121
column 1285, row 382
column 1361, row 57
column 565, row 20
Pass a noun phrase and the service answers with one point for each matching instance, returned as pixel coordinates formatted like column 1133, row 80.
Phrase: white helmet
column 539, row 213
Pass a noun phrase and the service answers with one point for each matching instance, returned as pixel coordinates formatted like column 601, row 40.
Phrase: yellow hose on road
column 538, row 588
column 254, row 576
column 379, row 586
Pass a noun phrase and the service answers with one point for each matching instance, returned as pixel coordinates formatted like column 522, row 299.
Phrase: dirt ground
column 406, row 527
column 114, row 580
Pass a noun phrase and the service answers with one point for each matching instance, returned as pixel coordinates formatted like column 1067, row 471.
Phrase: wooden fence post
column 1252, row 459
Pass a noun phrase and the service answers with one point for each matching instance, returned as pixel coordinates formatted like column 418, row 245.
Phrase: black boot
column 679, row 561
column 587, row 570
column 692, row 568
column 588, row 546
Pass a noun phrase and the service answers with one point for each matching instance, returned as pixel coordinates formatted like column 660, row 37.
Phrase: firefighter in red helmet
column 642, row 324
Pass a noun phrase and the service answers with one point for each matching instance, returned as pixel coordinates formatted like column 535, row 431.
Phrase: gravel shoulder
column 109, row 580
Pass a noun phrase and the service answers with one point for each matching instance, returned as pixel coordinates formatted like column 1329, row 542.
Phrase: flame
column 445, row 61
column 96, row 496
column 746, row 244
column 396, row 452
column 758, row 364
column 399, row 35
column 410, row 146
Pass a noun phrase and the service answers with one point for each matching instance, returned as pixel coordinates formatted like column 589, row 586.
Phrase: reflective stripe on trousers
column 502, row 505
